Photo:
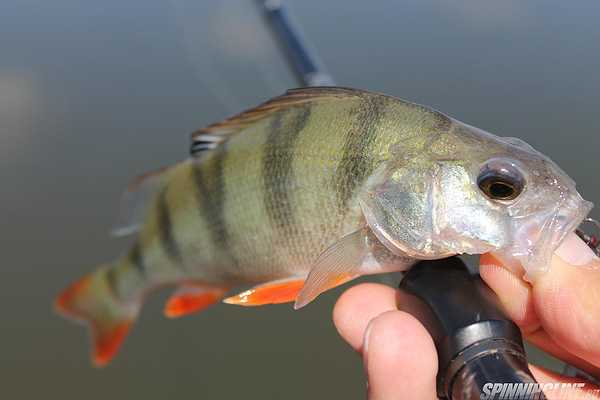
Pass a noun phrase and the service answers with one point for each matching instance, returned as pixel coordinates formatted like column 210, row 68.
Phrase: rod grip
column 477, row 343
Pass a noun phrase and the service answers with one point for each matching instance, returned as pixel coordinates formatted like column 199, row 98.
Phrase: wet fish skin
column 318, row 186
column 283, row 180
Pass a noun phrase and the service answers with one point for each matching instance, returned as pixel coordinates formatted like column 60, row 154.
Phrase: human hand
column 559, row 313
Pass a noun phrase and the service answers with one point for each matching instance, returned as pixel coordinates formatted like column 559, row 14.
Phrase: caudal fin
column 92, row 300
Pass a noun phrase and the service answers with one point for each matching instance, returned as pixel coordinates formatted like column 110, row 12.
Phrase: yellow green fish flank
column 307, row 191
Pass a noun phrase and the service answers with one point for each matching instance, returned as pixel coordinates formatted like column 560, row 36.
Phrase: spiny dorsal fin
column 210, row 137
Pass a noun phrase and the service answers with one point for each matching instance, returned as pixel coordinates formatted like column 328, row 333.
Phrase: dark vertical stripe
column 165, row 229
column 278, row 159
column 357, row 163
column 136, row 258
column 111, row 281
column 209, row 180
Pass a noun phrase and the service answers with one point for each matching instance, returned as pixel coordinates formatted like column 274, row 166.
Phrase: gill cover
column 422, row 210
column 396, row 205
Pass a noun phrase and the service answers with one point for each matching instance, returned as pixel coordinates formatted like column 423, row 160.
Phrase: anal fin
column 274, row 292
column 191, row 298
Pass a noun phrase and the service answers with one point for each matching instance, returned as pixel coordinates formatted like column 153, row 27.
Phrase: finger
column 543, row 341
column 400, row 358
column 514, row 293
column 517, row 299
column 357, row 306
column 552, row 385
column 565, row 301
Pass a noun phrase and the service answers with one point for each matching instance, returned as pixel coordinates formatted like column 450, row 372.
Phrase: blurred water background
column 94, row 93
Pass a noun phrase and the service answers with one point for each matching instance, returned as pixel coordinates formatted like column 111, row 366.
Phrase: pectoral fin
column 340, row 263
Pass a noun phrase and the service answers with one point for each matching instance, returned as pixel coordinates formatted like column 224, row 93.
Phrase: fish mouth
column 538, row 236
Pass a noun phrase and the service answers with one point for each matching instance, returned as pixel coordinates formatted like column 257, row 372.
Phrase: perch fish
column 315, row 188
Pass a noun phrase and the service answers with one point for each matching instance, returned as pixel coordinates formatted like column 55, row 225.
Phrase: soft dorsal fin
column 136, row 198
column 210, row 137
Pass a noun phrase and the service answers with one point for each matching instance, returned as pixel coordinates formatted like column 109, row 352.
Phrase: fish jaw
column 538, row 236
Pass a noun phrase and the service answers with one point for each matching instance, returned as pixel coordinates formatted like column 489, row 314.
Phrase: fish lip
column 573, row 212
column 534, row 258
column 568, row 216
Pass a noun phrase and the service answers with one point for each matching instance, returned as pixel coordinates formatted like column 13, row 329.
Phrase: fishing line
column 233, row 52
column 590, row 239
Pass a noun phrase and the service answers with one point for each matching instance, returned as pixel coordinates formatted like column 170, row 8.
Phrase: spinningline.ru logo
column 531, row 391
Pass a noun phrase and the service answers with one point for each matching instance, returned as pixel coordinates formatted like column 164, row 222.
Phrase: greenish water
column 93, row 93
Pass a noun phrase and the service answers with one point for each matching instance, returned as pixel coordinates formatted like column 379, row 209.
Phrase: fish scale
column 310, row 190
column 258, row 172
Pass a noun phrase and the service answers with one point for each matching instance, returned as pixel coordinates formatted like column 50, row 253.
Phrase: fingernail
column 574, row 251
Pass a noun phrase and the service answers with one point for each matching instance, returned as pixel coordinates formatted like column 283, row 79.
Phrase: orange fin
column 90, row 300
column 107, row 341
column 275, row 292
column 189, row 299
column 65, row 301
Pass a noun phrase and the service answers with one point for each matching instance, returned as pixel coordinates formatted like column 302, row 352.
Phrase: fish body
column 315, row 188
column 270, row 199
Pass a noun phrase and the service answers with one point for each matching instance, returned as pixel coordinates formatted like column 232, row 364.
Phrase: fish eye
column 501, row 181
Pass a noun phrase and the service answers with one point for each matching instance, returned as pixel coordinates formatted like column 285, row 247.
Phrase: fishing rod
column 477, row 344
column 304, row 61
